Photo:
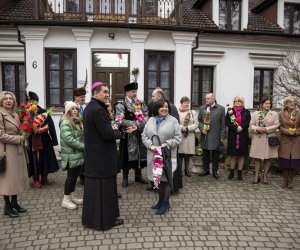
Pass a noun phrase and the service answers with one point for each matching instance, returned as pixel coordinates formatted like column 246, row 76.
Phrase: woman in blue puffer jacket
column 72, row 147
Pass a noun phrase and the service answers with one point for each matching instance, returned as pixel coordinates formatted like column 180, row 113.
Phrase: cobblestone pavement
column 206, row 214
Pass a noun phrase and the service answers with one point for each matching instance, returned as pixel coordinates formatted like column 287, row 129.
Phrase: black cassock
column 100, row 199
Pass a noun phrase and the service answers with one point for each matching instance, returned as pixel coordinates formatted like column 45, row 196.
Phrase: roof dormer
column 227, row 14
column 285, row 13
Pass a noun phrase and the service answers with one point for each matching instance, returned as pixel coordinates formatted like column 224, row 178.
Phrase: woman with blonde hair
column 188, row 125
column 289, row 153
column 14, row 179
column 263, row 124
column 237, row 120
column 72, row 147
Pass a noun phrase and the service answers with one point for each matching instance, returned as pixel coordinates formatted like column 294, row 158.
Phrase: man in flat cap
column 79, row 99
column 132, row 150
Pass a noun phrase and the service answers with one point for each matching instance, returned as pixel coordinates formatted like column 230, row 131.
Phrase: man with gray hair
column 211, row 119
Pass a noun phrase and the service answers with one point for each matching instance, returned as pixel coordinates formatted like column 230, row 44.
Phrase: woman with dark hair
column 264, row 124
column 289, row 153
column 166, row 128
column 14, row 180
column 188, row 125
column 72, row 157
column 237, row 120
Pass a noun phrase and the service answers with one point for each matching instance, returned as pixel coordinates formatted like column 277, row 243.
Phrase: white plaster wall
column 160, row 40
column 60, row 37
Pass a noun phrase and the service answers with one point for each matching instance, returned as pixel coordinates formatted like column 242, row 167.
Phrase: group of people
column 150, row 136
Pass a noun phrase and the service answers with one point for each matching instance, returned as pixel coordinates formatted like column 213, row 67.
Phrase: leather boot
column 36, row 182
column 16, row 206
column 45, row 180
column 125, row 181
column 290, row 184
column 165, row 206
column 240, row 175
column 138, row 177
column 285, row 178
column 231, row 174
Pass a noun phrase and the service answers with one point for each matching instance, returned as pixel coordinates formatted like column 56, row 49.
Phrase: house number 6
column 34, row 65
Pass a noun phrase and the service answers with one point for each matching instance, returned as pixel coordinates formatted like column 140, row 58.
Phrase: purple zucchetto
column 96, row 84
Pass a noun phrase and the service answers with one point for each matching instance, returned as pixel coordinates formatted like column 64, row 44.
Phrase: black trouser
column 72, row 176
column 215, row 160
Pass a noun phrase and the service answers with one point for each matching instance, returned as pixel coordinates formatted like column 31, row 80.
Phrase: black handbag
column 273, row 141
column 3, row 158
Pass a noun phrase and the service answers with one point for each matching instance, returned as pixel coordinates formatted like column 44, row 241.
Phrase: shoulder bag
column 3, row 157
column 273, row 141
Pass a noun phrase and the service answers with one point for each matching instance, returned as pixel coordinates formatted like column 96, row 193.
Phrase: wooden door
column 116, row 78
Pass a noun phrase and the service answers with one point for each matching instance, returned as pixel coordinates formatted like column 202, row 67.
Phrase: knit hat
column 131, row 86
column 69, row 105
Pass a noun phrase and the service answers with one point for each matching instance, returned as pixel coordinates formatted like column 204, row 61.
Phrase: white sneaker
column 75, row 200
column 67, row 203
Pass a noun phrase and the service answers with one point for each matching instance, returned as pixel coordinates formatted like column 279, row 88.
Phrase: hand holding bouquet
column 139, row 116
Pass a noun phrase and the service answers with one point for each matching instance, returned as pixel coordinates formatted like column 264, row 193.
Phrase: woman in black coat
column 237, row 120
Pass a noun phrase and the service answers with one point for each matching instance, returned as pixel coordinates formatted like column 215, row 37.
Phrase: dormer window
column 292, row 18
column 230, row 14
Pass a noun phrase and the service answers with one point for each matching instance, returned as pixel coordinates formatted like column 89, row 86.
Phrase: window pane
column 222, row 14
column 165, row 63
column 68, row 62
column 150, row 94
column 68, row 95
column 287, row 18
column 134, row 7
column 89, row 7
column 152, row 63
column 167, row 93
column 235, row 15
column 54, row 61
column 110, row 60
column 105, row 6
column 267, row 87
column 72, row 5
column 68, row 79
column 165, row 80
column 55, row 96
column 9, row 77
column 149, row 7
column 119, row 7
column 256, row 88
column 22, row 83
column 296, row 21
column 152, row 81
column 206, row 81
column 54, row 79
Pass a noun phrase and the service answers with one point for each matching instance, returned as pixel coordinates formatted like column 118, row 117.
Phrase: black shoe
column 119, row 196
column 165, row 206
column 140, row 180
column 10, row 212
column 204, row 173
column 157, row 206
column 125, row 183
column 118, row 222
column 19, row 209
column 215, row 175
column 187, row 173
column 231, row 175
column 240, row 176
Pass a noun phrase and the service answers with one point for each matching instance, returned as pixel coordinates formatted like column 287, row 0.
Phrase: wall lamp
column 111, row 36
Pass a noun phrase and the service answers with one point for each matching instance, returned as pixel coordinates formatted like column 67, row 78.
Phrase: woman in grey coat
column 167, row 129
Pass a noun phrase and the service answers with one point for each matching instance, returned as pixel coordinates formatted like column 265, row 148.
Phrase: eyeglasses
column 238, row 101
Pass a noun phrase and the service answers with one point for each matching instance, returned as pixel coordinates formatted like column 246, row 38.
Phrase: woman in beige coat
column 188, row 125
column 263, row 124
column 14, row 179
column 289, row 150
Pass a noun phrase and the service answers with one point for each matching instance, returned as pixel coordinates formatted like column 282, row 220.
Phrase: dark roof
column 261, row 5
column 17, row 10
column 254, row 3
column 195, row 17
column 259, row 23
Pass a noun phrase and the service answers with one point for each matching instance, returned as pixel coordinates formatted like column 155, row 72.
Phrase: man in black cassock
column 100, row 200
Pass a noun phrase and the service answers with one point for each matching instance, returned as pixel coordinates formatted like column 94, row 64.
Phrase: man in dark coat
column 158, row 94
column 211, row 119
column 132, row 150
column 42, row 158
column 100, row 200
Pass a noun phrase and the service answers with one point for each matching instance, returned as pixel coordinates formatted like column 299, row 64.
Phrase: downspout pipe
column 192, row 62
column 23, row 42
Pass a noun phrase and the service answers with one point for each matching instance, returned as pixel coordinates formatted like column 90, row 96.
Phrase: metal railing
column 117, row 11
